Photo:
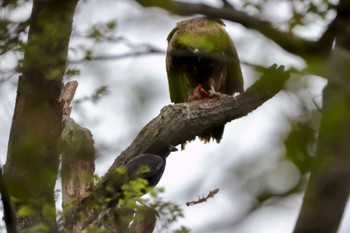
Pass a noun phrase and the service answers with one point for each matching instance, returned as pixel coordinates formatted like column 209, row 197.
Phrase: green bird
column 202, row 62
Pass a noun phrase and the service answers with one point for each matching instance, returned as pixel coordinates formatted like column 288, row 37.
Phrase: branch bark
column 78, row 167
column 179, row 123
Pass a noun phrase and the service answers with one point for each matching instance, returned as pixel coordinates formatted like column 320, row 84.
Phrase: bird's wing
column 153, row 163
column 175, row 85
column 173, row 75
column 234, row 73
column 229, row 74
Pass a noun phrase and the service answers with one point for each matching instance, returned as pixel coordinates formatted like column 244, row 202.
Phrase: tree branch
column 289, row 42
column 179, row 123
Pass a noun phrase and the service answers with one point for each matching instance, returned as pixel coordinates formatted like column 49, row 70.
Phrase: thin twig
column 203, row 199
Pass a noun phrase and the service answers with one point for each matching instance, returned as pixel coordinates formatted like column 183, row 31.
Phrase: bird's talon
column 213, row 93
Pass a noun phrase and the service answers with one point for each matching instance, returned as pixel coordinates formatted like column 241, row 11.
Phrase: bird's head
column 197, row 38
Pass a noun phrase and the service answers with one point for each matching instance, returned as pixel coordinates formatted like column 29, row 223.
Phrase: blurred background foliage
column 117, row 54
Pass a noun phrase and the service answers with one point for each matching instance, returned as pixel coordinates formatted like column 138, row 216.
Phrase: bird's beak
column 172, row 148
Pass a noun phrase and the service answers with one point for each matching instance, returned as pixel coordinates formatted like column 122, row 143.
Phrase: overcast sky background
column 138, row 89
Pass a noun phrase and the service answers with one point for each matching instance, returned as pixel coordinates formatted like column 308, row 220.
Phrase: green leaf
column 25, row 211
column 38, row 228
column 182, row 230
column 202, row 43
column 72, row 72
column 121, row 170
column 111, row 25
column 99, row 93
column 49, row 210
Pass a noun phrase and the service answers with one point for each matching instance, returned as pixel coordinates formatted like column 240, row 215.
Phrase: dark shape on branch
column 146, row 166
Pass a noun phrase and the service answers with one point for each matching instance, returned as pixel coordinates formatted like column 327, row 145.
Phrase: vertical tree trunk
column 33, row 149
column 329, row 185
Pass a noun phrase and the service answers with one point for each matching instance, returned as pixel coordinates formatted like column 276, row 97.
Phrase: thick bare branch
column 179, row 123
column 67, row 96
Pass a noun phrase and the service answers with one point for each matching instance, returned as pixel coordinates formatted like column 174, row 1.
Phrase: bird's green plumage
column 201, row 52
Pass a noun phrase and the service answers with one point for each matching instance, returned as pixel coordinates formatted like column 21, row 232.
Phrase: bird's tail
column 215, row 133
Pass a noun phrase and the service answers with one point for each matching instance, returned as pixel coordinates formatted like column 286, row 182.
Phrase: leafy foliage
column 300, row 145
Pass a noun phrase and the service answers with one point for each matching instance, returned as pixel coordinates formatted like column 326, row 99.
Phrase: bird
column 201, row 63
column 147, row 166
